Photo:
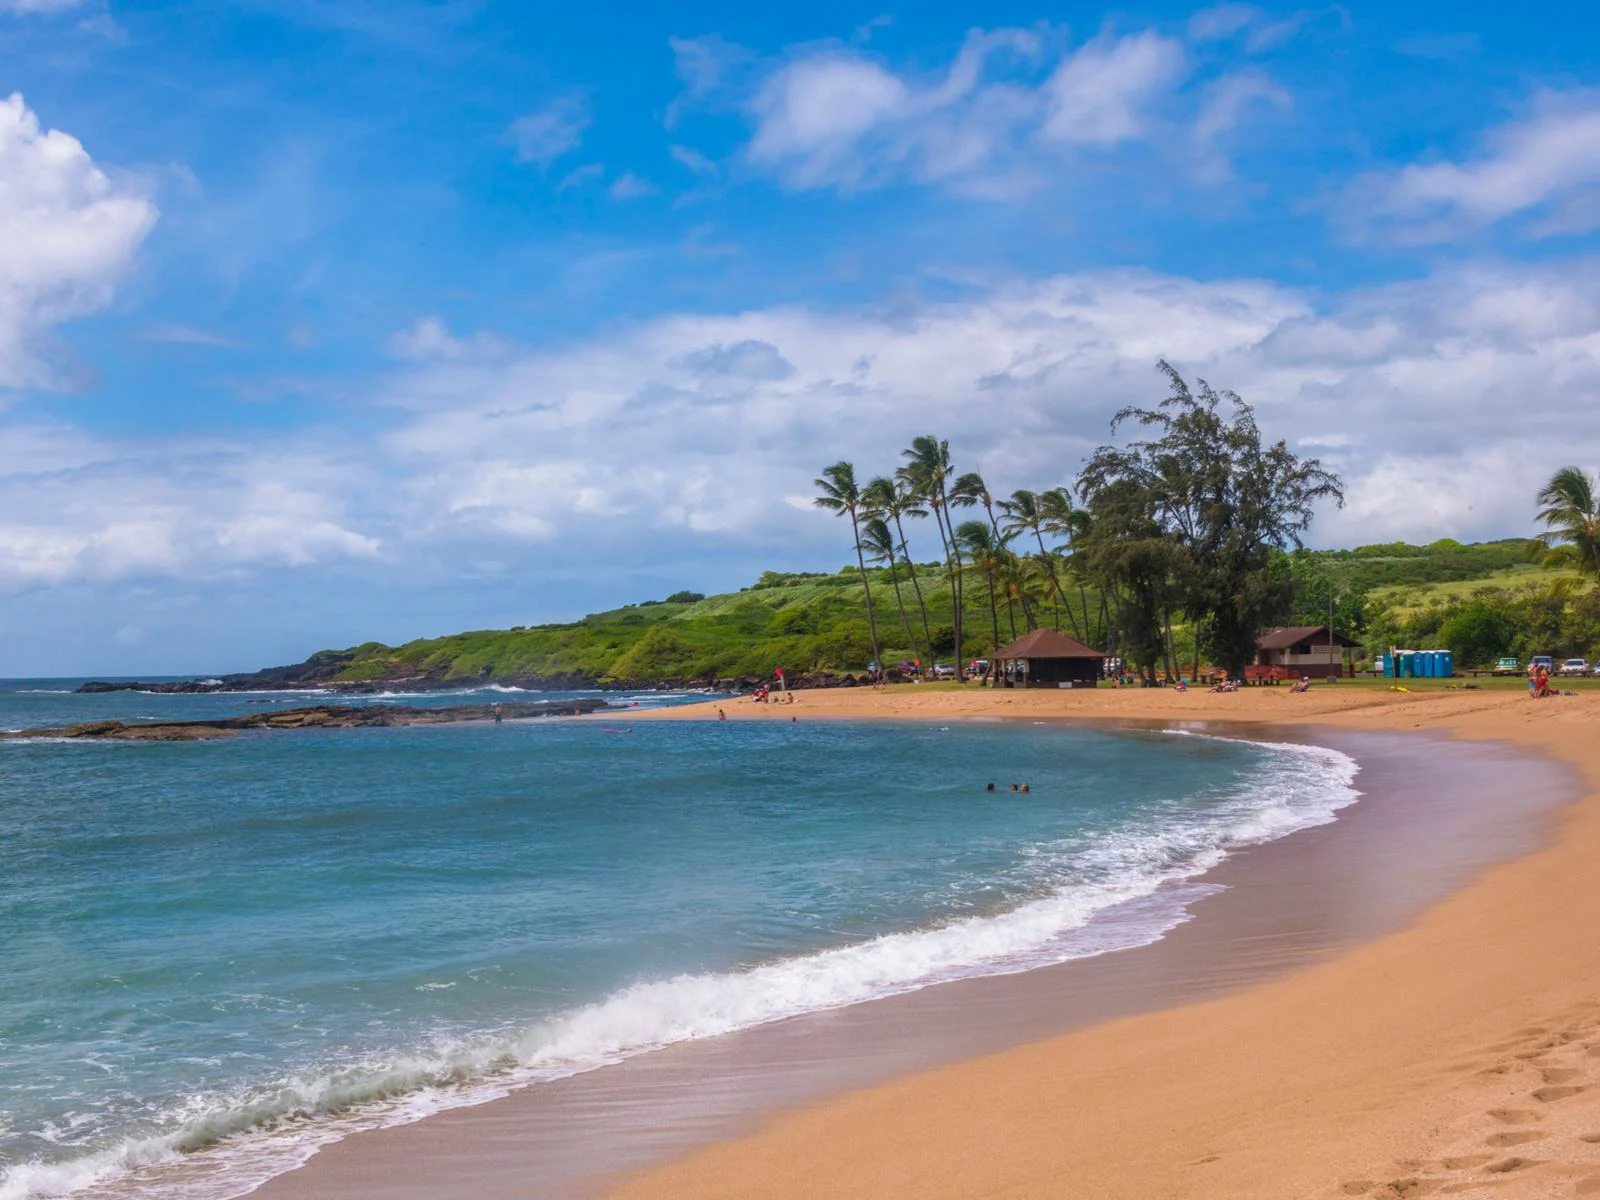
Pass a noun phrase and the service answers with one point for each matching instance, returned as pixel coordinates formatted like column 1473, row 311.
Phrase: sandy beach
column 1457, row 1056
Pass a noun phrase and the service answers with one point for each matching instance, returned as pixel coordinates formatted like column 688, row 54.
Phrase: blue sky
column 325, row 321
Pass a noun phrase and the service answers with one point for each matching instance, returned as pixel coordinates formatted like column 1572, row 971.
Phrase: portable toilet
column 1430, row 664
column 1386, row 665
column 1447, row 664
column 1424, row 664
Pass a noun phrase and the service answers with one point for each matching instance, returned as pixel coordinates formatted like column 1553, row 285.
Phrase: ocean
column 216, row 956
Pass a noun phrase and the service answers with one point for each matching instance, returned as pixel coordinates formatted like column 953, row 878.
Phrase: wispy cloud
column 693, row 160
column 1014, row 111
column 1540, row 173
column 543, row 136
column 1102, row 94
column 629, row 186
column 1256, row 29
column 1445, row 47
column 581, row 177
column 39, row 6
column 186, row 335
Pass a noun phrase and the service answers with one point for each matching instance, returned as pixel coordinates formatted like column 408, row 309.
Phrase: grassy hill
column 801, row 622
column 1390, row 594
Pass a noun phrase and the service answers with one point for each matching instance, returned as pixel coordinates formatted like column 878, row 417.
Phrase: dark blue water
column 229, row 951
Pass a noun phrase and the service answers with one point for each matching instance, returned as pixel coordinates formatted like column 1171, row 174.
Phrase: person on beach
column 721, row 716
column 498, row 714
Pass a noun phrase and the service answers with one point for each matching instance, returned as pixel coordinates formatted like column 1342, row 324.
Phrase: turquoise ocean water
column 227, row 953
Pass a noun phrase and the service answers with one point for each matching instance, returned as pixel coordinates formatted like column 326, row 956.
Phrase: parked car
column 1573, row 666
column 1507, row 666
column 1541, row 660
column 943, row 671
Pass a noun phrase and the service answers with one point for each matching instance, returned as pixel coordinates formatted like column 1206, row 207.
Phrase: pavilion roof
column 1047, row 643
column 1294, row 635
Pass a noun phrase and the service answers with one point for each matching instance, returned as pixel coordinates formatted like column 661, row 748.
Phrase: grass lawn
column 1408, row 597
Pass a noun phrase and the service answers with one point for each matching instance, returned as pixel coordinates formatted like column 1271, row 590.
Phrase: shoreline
column 698, row 1173
column 1457, row 1055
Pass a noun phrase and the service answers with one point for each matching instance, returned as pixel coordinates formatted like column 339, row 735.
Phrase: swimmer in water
column 989, row 788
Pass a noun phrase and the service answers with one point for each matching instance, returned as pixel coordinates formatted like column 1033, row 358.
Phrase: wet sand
column 1307, row 1084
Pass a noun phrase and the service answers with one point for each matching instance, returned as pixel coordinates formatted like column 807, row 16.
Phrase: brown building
column 1048, row 659
column 1312, row 650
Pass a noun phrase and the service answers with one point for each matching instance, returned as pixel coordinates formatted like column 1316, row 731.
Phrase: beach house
column 1297, row 650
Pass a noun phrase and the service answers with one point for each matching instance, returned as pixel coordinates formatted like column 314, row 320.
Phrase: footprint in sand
column 1588, row 1187
column 1515, row 1116
column 1515, row 1137
column 1548, row 1094
column 1560, row 1074
column 1506, row 1165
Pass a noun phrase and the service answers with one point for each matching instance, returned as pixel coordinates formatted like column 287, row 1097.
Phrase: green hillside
column 802, row 622
column 1482, row 599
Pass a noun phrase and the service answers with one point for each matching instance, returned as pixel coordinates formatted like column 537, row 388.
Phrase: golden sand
column 1459, row 1056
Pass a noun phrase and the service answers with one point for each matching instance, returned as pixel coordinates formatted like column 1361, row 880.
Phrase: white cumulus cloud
column 68, row 233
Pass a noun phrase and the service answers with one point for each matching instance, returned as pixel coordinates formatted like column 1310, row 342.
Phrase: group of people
column 1539, row 681
column 763, row 695
column 1014, row 788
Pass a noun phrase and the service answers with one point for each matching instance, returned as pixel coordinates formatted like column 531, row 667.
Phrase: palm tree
column 1571, row 515
column 979, row 542
column 894, row 500
column 879, row 543
column 971, row 490
column 842, row 497
column 1024, row 515
column 1059, row 516
column 928, row 472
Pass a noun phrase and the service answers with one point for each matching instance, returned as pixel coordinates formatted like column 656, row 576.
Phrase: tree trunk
column 927, row 631
column 1055, row 584
column 872, row 621
column 1027, row 609
column 905, row 622
column 994, row 612
column 953, row 563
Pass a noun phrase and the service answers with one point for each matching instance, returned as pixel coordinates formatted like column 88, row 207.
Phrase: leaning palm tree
column 971, row 490
column 1059, row 516
column 986, row 554
column 928, row 473
column 1571, row 515
column 894, row 500
column 878, row 540
column 842, row 497
column 1025, row 515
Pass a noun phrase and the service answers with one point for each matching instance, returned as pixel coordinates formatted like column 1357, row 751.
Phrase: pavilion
column 1045, row 658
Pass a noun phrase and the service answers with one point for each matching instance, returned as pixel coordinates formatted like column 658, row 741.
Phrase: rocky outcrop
column 277, row 679
column 315, row 717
